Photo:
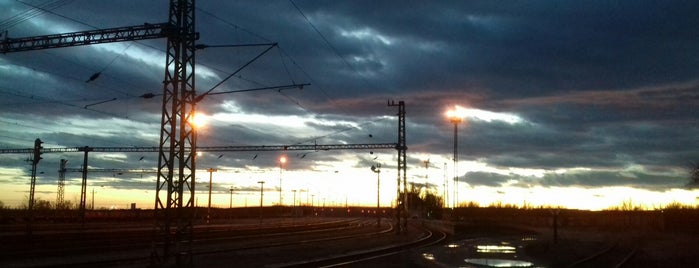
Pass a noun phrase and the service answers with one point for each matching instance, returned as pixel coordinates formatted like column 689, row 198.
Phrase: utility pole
column 282, row 160
column 30, row 207
column 262, row 183
column 427, row 165
column 377, row 169
column 83, row 189
column 208, row 208
column 402, row 168
column 445, row 189
column 230, row 204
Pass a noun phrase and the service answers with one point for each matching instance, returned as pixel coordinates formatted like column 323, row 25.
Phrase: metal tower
column 176, row 164
column 61, row 184
column 174, row 198
column 402, row 166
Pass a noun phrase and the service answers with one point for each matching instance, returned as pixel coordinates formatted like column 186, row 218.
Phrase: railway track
column 356, row 258
column 325, row 243
column 614, row 255
column 132, row 246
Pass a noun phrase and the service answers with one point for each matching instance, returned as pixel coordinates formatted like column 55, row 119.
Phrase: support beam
column 233, row 148
column 83, row 189
column 174, row 196
column 402, row 166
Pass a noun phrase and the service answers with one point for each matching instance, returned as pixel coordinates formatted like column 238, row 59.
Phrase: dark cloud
column 603, row 86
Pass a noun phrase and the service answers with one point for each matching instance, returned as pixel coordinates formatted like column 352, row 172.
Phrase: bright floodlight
column 456, row 115
column 282, row 159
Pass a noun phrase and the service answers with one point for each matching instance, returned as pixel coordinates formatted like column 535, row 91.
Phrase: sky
column 578, row 104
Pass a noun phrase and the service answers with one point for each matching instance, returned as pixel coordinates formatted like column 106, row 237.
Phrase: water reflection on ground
column 482, row 252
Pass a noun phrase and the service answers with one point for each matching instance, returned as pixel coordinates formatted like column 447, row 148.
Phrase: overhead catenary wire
column 30, row 139
column 272, row 45
column 281, row 49
column 332, row 47
column 54, row 13
column 49, row 100
column 147, row 95
column 33, row 12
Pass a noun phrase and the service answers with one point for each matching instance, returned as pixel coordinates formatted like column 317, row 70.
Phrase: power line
column 285, row 53
column 281, row 50
column 31, row 13
column 334, row 49
column 54, row 13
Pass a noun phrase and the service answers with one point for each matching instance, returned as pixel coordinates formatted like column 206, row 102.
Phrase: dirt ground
column 643, row 248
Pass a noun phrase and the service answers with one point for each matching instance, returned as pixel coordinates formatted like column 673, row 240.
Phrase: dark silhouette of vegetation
column 425, row 204
column 694, row 175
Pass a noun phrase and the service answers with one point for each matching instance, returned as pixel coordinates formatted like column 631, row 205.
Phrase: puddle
column 499, row 263
column 482, row 252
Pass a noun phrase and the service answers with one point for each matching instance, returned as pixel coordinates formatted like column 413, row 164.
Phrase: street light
column 282, row 161
column 230, row 204
column 262, row 183
column 456, row 116
column 427, row 165
column 377, row 169
column 208, row 209
column 294, row 204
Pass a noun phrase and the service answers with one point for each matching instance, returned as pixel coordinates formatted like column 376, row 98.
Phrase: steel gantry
column 402, row 168
column 231, row 148
column 234, row 148
column 175, row 187
column 174, row 201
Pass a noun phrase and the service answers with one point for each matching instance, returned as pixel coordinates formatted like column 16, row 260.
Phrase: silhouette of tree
column 65, row 205
column 42, row 204
column 433, row 206
column 694, row 175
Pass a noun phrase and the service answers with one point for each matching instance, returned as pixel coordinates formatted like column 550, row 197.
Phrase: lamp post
column 427, row 165
column 282, row 161
column 377, row 169
column 230, row 204
column 445, row 191
column 262, row 183
column 294, row 204
column 208, row 209
column 455, row 117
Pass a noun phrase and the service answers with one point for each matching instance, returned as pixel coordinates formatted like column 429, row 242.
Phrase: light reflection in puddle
column 495, row 249
column 482, row 252
column 499, row 262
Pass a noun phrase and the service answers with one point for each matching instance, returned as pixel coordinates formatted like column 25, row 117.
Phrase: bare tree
column 693, row 175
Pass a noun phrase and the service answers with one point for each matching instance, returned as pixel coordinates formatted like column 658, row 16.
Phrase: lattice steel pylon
column 176, row 163
column 174, row 199
column 61, row 185
column 401, row 146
